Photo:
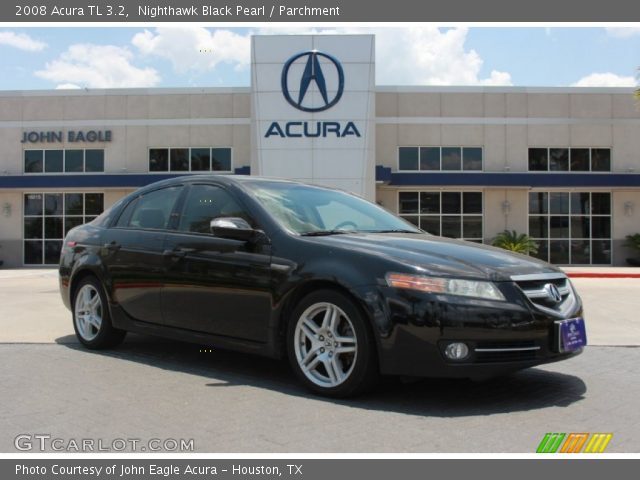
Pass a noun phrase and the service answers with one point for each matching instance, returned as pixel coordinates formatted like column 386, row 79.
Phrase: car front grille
column 539, row 289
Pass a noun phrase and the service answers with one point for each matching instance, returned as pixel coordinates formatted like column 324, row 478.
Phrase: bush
column 633, row 241
column 515, row 242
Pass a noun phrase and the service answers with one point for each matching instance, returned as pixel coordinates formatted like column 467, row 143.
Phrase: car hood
column 433, row 255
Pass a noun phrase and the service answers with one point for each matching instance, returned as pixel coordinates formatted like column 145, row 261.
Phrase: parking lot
column 228, row 402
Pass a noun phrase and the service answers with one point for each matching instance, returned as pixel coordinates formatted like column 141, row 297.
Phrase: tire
column 330, row 345
column 91, row 316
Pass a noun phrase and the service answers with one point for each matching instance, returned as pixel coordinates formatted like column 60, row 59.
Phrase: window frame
column 569, row 149
column 462, row 215
column 439, row 147
column 63, row 216
column 64, row 161
column 210, row 148
column 571, row 237
column 173, row 215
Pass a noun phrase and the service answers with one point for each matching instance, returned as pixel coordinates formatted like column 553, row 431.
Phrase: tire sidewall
column 365, row 365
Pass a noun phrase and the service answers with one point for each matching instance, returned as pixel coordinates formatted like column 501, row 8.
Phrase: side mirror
column 234, row 228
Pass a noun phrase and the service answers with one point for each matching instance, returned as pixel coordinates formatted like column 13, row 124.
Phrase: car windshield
column 310, row 210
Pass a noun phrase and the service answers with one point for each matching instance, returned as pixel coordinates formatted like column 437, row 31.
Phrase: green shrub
column 515, row 242
column 633, row 241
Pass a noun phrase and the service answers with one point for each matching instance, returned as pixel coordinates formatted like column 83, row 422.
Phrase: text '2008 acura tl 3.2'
column 343, row 288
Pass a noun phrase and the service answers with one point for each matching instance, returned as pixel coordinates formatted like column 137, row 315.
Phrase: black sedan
column 343, row 288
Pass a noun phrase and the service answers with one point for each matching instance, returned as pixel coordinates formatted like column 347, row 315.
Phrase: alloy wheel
column 88, row 312
column 325, row 344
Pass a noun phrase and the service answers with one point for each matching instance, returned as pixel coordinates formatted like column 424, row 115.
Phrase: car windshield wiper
column 321, row 233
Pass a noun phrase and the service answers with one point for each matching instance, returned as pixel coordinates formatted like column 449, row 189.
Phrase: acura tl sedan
column 341, row 287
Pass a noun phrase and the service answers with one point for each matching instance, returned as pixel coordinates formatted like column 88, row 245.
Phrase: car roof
column 224, row 179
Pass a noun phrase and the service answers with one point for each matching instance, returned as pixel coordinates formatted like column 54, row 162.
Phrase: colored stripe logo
column 574, row 443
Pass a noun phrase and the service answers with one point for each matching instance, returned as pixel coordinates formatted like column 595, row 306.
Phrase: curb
column 602, row 275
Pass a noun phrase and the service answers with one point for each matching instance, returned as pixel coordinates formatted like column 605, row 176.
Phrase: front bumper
column 413, row 329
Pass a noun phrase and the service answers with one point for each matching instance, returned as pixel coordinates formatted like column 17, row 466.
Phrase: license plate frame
column 571, row 334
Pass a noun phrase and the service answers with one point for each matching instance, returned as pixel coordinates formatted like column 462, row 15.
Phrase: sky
column 195, row 56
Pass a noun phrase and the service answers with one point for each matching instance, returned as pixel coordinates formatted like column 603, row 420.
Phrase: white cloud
column 413, row 55
column 421, row 55
column 98, row 66
column 68, row 86
column 195, row 48
column 21, row 41
column 622, row 32
column 605, row 80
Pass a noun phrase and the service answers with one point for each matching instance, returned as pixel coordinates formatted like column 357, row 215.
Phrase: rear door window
column 151, row 211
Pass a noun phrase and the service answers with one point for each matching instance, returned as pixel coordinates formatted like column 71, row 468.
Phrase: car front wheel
column 331, row 348
column 91, row 320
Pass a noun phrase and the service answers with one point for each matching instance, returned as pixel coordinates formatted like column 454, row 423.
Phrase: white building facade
column 561, row 164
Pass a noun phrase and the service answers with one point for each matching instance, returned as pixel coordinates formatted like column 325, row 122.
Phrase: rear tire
column 330, row 345
column 91, row 316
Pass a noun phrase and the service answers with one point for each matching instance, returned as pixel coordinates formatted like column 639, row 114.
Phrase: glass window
column 153, row 210
column 33, row 161
column 48, row 217
column 559, row 159
column 53, row 161
column 472, row 202
column 579, row 159
column 74, row 161
column 429, row 158
column 94, row 160
column 200, row 159
column 179, row 159
column 33, row 203
column 451, row 202
column 450, row 214
column 408, row 158
column 472, row 158
column 576, row 230
column 409, row 202
column 221, row 159
column 430, row 202
column 158, row 159
column 451, row 158
column 206, row 202
column 73, row 204
column 538, row 159
column 601, row 159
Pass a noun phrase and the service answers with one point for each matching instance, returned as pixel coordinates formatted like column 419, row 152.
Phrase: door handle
column 112, row 246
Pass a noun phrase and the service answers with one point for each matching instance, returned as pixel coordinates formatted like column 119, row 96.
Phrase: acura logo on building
column 552, row 292
column 312, row 73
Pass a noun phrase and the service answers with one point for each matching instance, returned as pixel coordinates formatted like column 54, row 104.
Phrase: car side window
column 151, row 210
column 206, row 202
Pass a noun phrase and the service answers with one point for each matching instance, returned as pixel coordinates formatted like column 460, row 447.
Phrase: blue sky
column 100, row 57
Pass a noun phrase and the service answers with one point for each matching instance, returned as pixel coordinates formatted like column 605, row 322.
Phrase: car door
column 132, row 253
column 215, row 285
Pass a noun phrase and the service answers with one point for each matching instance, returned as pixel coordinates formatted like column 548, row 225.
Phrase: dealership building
column 561, row 164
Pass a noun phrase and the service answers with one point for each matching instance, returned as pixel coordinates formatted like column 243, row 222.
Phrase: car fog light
column 456, row 351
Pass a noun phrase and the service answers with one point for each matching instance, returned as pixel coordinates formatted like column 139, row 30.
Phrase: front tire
column 330, row 346
column 91, row 318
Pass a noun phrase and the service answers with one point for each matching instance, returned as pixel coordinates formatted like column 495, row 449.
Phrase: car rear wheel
column 330, row 347
column 91, row 320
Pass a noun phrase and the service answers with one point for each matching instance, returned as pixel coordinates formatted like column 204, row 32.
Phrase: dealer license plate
column 572, row 334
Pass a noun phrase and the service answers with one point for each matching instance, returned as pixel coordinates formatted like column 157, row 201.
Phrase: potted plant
column 515, row 242
column 633, row 242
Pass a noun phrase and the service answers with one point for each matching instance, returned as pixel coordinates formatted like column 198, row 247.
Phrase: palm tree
column 514, row 242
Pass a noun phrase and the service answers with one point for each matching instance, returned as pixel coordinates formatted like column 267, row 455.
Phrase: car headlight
column 449, row 286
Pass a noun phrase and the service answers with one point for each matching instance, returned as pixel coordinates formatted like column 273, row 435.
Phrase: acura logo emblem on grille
column 552, row 292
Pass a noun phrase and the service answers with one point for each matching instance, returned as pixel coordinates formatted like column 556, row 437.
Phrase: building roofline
column 378, row 89
column 499, row 89
column 123, row 91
